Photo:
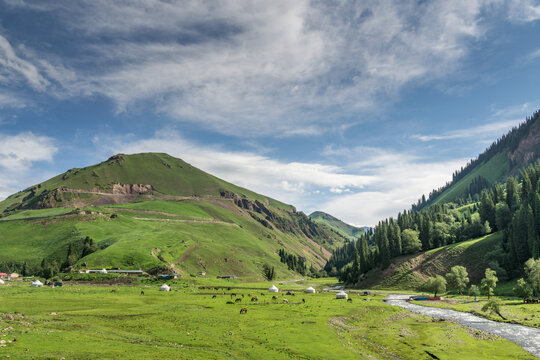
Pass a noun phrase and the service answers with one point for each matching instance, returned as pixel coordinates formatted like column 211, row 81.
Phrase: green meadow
column 118, row 322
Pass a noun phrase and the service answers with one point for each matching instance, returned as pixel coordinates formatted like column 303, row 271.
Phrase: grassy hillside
column 496, row 169
column 409, row 272
column 166, row 175
column 146, row 211
column 336, row 224
column 505, row 157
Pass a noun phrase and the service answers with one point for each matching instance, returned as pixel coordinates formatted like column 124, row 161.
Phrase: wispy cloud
column 240, row 66
column 505, row 119
column 524, row 10
column 13, row 68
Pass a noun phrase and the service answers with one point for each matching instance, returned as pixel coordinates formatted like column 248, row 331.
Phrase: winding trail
column 526, row 337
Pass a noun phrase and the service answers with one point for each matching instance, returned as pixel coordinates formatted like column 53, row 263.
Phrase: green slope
column 336, row 224
column 496, row 169
column 505, row 157
column 168, row 176
column 410, row 271
column 188, row 221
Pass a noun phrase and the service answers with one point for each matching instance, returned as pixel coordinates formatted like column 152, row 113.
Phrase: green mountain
column 153, row 211
column 337, row 225
column 505, row 157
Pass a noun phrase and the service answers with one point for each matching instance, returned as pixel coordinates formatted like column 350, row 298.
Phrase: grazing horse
column 274, row 297
column 285, row 301
column 113, row 290
column 213, row 297
column 232, row 294
column 349, row 300
column 142, row 292
column 262, row 294
column 254, row 298
column 243, row 311
column 238, row 300
column 242, row 295
column 304, row 301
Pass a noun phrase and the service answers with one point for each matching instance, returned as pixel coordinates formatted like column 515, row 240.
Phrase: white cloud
column 282, row 68
column 400, row 184
column 524, row 10
column 13, row 67
column 17, row 155
column 490, row 129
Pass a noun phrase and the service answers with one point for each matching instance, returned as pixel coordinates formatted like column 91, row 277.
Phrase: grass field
column 88, row 322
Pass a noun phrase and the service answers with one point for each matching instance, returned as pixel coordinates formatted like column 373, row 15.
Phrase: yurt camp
column 36, row 283
column 164, row 287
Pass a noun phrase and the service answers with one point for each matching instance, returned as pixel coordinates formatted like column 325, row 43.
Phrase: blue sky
column 354, row 108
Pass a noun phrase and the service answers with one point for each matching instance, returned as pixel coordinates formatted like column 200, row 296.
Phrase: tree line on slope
column 513, row 208
column 508, row 142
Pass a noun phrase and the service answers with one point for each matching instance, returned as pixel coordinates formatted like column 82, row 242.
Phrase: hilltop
column 126, row 178
column 337, row 225
column 154, row 211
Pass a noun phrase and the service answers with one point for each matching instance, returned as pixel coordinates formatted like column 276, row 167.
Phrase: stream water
column 526, row 337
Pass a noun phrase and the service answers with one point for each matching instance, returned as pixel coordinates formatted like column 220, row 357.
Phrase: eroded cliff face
column 529, row 147
column 63, row 196
column 131, row 189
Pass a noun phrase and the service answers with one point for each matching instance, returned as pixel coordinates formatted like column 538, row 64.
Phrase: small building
column 273, row 289
column 342, row 295
column 13, row 275
column 201, row 273
column 164, row 287
column 101, row 271
column 168, row 276
column 127, row 272
column 36, row 283
column 3, row 276
column 310, row 290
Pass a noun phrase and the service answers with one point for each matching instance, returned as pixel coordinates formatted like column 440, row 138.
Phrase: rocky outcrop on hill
column 131, row 189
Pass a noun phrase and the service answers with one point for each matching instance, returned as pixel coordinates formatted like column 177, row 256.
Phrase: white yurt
column 273, row 288
column 102, row 271
column 1, row 282
column 164, row 287
column 342, row 295
column 37, row 283
column 310, row 290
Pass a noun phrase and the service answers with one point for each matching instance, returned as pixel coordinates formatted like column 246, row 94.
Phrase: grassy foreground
column 89, row 322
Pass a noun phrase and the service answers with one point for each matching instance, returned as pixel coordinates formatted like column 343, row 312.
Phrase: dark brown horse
column 243, row 311
column 238, row 300
column 254, row 298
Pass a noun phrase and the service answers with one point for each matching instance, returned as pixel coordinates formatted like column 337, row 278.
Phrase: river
column 526, row 337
